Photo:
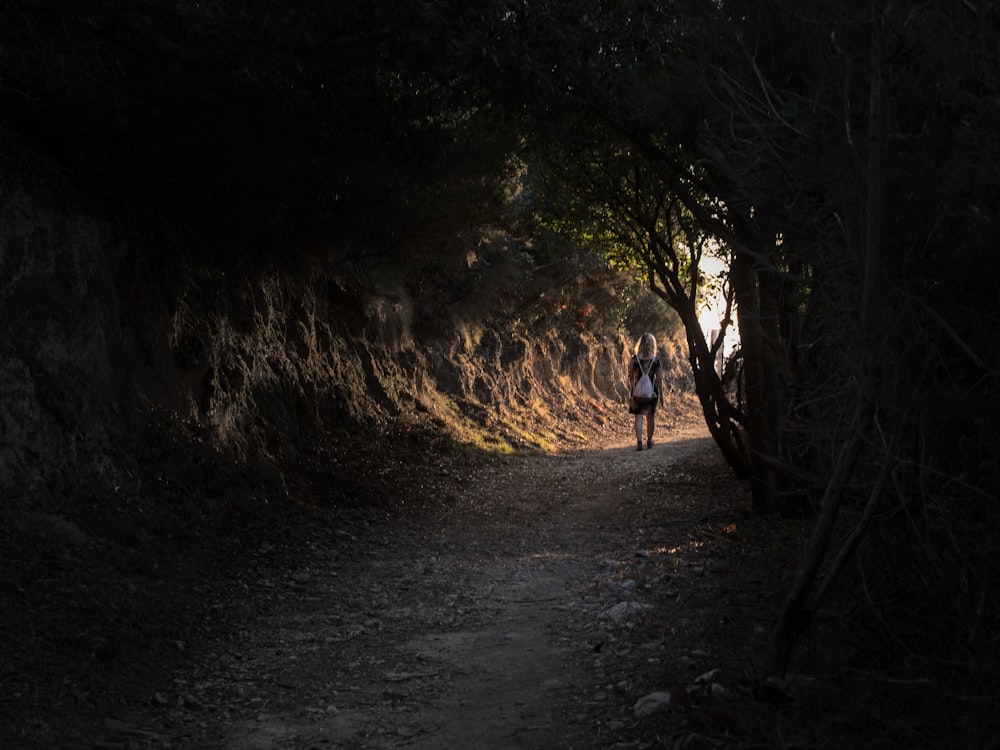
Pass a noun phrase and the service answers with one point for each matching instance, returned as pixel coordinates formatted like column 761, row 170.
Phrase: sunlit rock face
column 252, row 359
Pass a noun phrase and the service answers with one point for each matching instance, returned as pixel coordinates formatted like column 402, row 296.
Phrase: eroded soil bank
column 599, row 597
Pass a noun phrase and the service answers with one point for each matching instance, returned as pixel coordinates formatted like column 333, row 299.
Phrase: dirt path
column 532, row 605
column 418, row 598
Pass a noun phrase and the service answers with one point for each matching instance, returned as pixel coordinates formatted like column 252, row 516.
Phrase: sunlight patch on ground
column 549, row 556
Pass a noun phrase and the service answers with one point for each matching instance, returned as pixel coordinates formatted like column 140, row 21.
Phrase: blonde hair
column 646, row 346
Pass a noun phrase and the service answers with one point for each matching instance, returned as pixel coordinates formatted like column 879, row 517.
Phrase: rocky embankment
column 113, row 341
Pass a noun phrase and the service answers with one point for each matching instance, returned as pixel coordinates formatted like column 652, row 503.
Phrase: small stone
column 596, row 636
column 707, row 677
column 624, row 611
column 652, row 703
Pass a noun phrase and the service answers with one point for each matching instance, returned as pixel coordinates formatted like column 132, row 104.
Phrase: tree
column 606, row 196
column 838, row 130
column 612, row 108
column 822, row 146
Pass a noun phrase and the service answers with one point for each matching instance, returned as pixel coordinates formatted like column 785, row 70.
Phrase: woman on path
column 644, row 363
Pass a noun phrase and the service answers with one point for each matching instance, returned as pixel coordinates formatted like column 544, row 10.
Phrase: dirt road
column 502, row 618
column 537, row 603
column 423, row 599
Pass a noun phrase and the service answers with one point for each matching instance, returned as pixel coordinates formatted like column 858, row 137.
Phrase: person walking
column 643, row 397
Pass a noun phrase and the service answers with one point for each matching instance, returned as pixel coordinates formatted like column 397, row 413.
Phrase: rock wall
column 266, row 361
column 107, row 342
column 66, row 402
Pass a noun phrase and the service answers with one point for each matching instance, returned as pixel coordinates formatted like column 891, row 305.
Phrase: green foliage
column 607, row 197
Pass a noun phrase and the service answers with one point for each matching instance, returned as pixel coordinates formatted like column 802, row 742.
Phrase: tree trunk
column 773, row 404
column 748, row 314
column 714, row 403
